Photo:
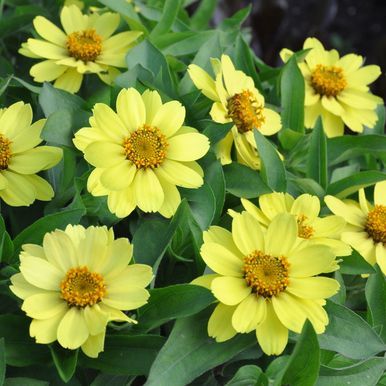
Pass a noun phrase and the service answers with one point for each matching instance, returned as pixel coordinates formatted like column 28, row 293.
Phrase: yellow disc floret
column 84, row 45
column 304, row 231
column 328, row 80
column 245, row 111
column 266, row 274
column 146, row 147
column 376, row 224
column 81, row 288
column 5, row 152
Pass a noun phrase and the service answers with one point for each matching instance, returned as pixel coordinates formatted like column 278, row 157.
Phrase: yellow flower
column 265, row 281
column 78, row 3
column 76, row 283
column 305, row 208
column 85, row 46
column 236, row 100
column 366, row 224
column 21, row 159
column 141, row 153
column 337, row 89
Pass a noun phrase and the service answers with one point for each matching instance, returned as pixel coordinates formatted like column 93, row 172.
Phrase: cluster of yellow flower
column 267, row 270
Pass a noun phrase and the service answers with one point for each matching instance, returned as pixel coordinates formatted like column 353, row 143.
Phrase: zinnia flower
column 76, row 283
column 265, row 281
column 141, row 153
column 366, row 224
column 236, row 100
column 326, row 230
column 21, row 159
column 85, row 46
column 337, row 89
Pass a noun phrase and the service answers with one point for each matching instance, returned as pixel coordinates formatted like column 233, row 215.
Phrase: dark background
column 350, row 26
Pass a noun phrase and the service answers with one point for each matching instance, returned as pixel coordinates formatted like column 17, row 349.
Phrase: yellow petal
column 45, row 331
column 216, row 234
column 148, row 191
column 203, row 81
column 109, row 122
column 249, row 313
column 49, row 31
column 306, row 205
column 172, row 199
column 247, row 233
column 119, row 176
column 332, row 105
column 21, row 288
column 187, row 147
column 223, row 149
column 351, row 214
column 284, row 228
column 271, row 334
column 364, row 76
column 120, row 42
column 46, row 49
column 72, row 330
column 169, row 118
column 313, row 287
column 380, row 253
column 106, row 24
column 94, row 345
column 362, row 243
column 72, row 19
column 221, row 260
column 205, row 280
column 230, row 290
column 95, row 318
column 332, row 124
column 255, row 211
column 380, row 193
column 272, row 122
column 44, row 305
column 28, row 138
column 131, row 109
column 70, row 81
column 152, row 102
column 220, row 323
column 274, row 203
column 128, row 298
column 46, row 71
column 310, row 260
column 104, row 154
column 122, row 202
column 330, row 226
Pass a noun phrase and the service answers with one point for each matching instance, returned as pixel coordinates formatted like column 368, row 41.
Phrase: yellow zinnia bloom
column 21, row 159
column 85, row 46
column 337, row 89
column 305, row 208
column 237, row 100
column 265, row 281
column 366, row 224
column 141, row 153
column 76, row 283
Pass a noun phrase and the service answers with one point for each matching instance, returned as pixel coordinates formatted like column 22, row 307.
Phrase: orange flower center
column 84, row 45
column 376, row 224
column 81, row 288
column 5, row 152
column 245, row 111
column 146, row 147
column 266, row 274
column 328, row 80
column 304, row 231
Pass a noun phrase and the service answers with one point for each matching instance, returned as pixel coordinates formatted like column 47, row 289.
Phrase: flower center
column 328, row 80
column 266, row 274
column 84, row 45
column 146, row 147
column 81, row 288
column 376, row 224
column 5, row 152
column 245, row 111
column 304, row 231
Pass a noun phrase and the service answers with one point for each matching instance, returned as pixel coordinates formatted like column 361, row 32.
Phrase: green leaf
column 202, row 202
column 272, row 168
column 204, row 12
column 292, row 96
column 111, row 380
column 249, row 375
column 2, row 361
column 6, row 245
column 169, row 14
column 364, row 373
column 61, row 125
column 376, row 300
column 343, row 326
column 21, row 350
column 317, row 156
column 347, row 186
column 146, row 55
column 303, row 365
column 35, row 232
column 22, row 381
column 168, row 303
column 348, row 147
column 52, row 99
column 379, row 127
column 189, row 352
column 236, row 20
column 215, row 131
column 65, row 361
column 355, row 264
column 242, row 181
column 126, row 355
